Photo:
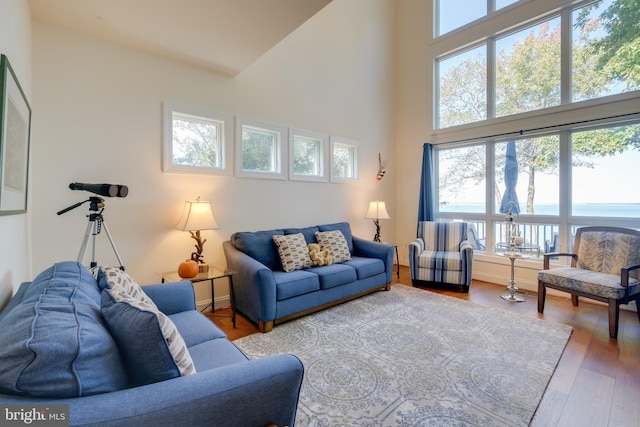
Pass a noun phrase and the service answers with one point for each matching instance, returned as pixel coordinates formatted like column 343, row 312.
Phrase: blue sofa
column 56, row 348
column 268, row 295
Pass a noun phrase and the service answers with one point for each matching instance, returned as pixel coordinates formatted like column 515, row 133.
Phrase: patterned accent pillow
column 293, row 251
column 152, row 347
column 120, row 281
column 335, row 243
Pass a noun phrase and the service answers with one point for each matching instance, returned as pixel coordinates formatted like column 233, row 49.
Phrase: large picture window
column 585, row 52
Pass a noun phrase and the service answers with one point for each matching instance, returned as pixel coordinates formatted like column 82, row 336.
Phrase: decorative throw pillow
column 151, row 345
column 293, row 251
column 120, row 281
column 335, row 243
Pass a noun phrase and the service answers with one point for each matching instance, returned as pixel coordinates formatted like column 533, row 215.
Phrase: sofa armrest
column 370, row 249
column 173, row 297
column 256, row 393
column 254, row 285
column 415, row 248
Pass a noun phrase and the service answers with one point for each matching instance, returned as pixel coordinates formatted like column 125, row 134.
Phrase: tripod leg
column 85, row 240
column 113, row 246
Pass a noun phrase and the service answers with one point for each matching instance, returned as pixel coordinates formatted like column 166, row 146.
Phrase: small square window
column 344, row 163
column 260, row 150
column 195, row 141
column 308, row 154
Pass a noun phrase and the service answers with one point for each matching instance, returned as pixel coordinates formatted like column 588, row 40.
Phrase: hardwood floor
column 597, row 381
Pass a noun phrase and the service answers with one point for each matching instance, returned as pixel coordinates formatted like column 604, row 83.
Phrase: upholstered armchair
column 605, row 266
column 441, row 255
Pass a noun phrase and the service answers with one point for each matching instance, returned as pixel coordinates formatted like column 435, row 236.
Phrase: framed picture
column 15, row 127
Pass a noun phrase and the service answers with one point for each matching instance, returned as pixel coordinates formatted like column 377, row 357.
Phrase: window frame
column 321, row 158
column 224, row 144
column 280, row 155
column 344, row 142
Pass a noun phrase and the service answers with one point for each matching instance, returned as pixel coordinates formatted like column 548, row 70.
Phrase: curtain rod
column 521, row 132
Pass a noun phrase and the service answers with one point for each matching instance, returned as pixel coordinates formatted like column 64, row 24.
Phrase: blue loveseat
column 56, row 348
column 268, row 295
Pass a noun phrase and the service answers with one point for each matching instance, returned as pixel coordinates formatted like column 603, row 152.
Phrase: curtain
column 426, row 208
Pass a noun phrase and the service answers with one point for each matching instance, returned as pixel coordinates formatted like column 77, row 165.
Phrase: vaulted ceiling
column 225, row 36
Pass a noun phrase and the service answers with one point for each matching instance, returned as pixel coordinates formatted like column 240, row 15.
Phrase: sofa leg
column 542, row 295
column 574, row 300
column 265, row 326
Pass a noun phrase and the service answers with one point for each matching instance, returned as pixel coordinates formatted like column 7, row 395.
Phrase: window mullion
column 491, row 78
column 566, row 40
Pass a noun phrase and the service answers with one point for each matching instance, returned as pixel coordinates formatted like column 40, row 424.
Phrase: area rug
column 410, row 357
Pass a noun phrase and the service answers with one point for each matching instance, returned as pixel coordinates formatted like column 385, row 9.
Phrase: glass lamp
column 377, row 211
column 196, row 216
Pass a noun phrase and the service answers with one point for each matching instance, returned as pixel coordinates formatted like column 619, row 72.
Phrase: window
column 195, row 140
column 344, row 165
column 569, row 74
column 463, row 103
column 528, row 69
column 605, row 172
column 309, row 151
column 600, row 64
column 259, row 150
column 462, row 179
column 454, row 14
column 525, row 68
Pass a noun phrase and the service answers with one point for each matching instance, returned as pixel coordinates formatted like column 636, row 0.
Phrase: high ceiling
column 222, row 35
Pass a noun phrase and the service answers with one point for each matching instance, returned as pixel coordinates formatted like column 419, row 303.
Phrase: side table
column 212, row 275
column 513, row 256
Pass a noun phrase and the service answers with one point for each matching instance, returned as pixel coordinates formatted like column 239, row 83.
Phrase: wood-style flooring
column 596, row 383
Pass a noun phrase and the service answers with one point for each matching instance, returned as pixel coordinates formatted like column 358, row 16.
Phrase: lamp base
column 203, row 268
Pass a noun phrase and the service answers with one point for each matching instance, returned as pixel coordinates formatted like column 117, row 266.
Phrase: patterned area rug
column 410, row 357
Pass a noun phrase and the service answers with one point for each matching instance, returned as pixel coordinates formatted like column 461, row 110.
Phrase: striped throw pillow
column 293, row 251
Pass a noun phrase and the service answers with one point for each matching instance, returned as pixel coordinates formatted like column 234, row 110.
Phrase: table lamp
column 377, row 211
column 196, row 216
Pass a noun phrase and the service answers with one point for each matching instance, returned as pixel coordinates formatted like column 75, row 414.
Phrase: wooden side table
column 211, row 276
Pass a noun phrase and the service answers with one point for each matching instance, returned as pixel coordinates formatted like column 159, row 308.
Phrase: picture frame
column 15, row 133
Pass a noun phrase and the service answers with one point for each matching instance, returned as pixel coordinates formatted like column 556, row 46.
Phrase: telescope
column 106, row 190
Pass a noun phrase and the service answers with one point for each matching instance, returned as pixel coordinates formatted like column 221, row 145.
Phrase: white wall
column 99, row 120
column 15, row 43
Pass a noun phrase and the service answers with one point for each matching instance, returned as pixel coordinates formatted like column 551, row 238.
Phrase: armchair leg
column 574, row 299
column 542, row 294
column 614, row 316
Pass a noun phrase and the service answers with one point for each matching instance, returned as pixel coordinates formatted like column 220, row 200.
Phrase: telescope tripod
column 94, row 227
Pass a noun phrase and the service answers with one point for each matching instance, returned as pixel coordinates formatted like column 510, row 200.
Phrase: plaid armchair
column 605, row 266
column 441, row 255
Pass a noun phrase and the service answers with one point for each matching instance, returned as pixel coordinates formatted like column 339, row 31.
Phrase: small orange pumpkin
column 188, row 269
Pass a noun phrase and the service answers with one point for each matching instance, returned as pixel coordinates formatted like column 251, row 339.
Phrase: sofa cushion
column 151, row 345
column 299, row 282
column 226, row 353
column 294, row 254
column 344, row 227
column 334, row 275
column 54, row 343
column 366, row 267
column 335, row 242
column 260, row 246
column 195, row 327
column 120, row 281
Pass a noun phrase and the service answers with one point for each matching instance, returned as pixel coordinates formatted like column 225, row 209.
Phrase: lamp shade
column 377, row 210
column 197, row 215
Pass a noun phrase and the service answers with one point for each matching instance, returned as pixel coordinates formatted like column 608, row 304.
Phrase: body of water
column 614, row 210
